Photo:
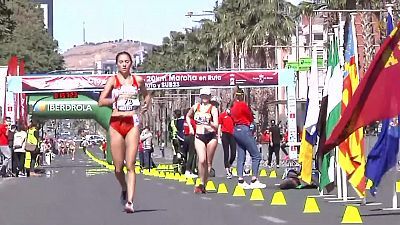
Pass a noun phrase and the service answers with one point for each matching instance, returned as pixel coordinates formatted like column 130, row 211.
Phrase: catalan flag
column 351, row 151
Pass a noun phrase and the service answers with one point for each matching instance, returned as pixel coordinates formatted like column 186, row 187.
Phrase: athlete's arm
column 103, row 100
column 214, row 112
column 144, row 92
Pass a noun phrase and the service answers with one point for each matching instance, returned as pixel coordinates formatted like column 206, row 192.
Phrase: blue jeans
column 246, row 142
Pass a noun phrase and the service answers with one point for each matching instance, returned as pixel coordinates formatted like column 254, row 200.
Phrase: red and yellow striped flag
column 352, row 153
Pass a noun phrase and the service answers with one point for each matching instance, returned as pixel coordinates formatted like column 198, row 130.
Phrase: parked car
column 94, row 139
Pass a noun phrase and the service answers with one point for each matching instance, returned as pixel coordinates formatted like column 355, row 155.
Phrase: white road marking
column 184, row 192
column 171, row 188
column 232, row 205
column 206, row 198
column 273, row 219
column 258, row 204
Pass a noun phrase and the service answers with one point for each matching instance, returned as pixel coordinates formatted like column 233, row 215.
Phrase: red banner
column 154, row 81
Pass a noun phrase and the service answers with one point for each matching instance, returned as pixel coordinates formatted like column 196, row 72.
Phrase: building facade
column 47, row 6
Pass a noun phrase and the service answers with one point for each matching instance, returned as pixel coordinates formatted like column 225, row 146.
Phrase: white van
column 94, row 139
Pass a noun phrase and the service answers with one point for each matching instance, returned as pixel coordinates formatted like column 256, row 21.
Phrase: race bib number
column 127, row 103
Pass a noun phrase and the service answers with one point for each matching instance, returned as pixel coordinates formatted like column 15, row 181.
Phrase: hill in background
column 85, row 56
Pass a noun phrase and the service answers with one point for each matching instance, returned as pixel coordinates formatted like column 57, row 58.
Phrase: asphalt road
column 81, row 192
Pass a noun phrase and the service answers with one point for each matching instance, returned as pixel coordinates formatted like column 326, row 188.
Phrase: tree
column 7, row 25
column 30, row 40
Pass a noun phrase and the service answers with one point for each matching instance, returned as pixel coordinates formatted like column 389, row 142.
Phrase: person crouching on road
column 242, row 119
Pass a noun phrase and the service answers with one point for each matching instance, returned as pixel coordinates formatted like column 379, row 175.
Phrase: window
column 318, row 37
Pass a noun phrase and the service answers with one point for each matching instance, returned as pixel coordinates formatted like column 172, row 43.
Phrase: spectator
column 275, row 143
column 5, row 150
column 32, row 147
column 11, row 133
column 146, row 137
column 19, row 143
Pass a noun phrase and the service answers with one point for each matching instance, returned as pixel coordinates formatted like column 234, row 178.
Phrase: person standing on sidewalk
column 32, row 148
column 188, row 147
column 242, row 119
column 5, row 150
column 275, row 143
column 228, row 141
column 19, row 144
column 146, row 138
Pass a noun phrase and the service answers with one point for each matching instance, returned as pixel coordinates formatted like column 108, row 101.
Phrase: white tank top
column 127, row 95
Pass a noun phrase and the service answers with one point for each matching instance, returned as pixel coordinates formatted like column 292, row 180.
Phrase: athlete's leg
column 202, row 159
column 118, row 156
column 131, row 143
column 211, row 148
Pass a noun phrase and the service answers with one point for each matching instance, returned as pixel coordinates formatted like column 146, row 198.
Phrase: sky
column 144, row 20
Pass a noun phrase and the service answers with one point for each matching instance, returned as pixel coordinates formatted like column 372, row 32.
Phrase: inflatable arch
column 45, row 106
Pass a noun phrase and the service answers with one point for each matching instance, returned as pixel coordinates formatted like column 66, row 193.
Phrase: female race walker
column 206, row 118
column 125, row 89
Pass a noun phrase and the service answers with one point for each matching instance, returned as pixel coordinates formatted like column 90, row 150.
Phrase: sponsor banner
column 23, row 112
column 63, row 107
column 154, row 81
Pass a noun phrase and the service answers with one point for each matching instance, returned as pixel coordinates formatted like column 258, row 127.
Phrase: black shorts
column 206, row 138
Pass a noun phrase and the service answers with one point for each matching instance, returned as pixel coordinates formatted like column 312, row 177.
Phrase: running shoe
column 129, row 207
column 123, row 197
column 244, row 185
column 257, row 184
column 200, row 189
column 229, row 175
column 246, row 173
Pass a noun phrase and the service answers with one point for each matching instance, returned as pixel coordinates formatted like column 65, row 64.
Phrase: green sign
column 304, row 64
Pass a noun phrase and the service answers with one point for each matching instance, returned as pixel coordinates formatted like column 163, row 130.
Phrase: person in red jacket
column 242, row 118
column 225, row 132
column 188, row 147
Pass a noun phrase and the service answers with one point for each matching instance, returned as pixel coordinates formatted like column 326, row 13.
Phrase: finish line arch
column 40, row 90
column 46, row 106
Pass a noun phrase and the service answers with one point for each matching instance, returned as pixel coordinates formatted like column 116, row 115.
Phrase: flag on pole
column 325, row 181
column 383, row 155
column 351, row 151
column 309, row 135
column 378, row 95
column 23, row 104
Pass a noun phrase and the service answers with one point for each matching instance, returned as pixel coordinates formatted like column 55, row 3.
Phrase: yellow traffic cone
column 311, row 206
column 168, row 175
column 369, row 184
column 137, row 163
column 351, row 215
column 182, row 178
column 273, row 174
column 210, row 187
column 189, row 181
column 239, row 192
column 177, row 176
column 198, row 182
column 263, row 173
column 398, row 186
column 161, row 174
column 222, row 189
column 234, row 171
column 257, row 195
column 278, row 198
column 156, row 173
column 137, row 169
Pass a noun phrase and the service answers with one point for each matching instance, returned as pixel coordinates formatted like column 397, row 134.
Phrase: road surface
column 82, row 192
